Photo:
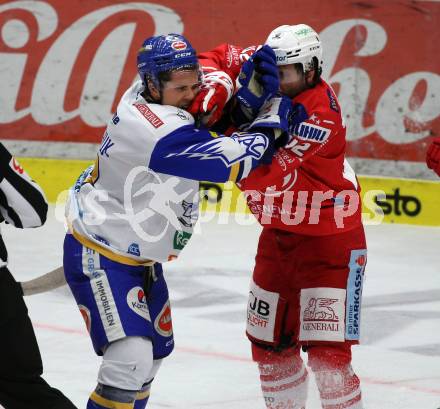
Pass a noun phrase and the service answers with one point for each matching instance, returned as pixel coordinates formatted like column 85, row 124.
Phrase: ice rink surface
column 398, row 361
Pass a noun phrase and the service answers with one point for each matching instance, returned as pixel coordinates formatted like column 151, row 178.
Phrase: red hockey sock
column 338, row 385
column 284, row 380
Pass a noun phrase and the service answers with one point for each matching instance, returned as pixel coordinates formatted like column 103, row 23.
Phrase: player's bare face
column 181, row 89
column 292, row 82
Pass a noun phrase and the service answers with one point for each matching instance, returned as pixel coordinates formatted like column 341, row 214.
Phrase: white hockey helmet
column 296, row 44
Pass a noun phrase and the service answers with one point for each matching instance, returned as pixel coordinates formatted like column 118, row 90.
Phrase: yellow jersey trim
column 108, row 253
column 110, row 404
column 142, row 395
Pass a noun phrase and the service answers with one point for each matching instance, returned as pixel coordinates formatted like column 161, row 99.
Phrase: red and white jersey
column 309, row 187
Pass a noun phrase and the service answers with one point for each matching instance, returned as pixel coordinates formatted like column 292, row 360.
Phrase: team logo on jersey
column 187, row 218
column 322, row 314
column 178, row 45
column 181, row 239
column 311, row 132
column 137, row 302
column 85, row 313
column 225, row 149
column 163, row 322
column 149, row 115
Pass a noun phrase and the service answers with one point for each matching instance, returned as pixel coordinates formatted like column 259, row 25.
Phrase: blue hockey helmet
column 163, row 53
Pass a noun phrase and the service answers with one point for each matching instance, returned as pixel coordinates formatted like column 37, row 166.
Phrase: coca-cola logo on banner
column 64, row 66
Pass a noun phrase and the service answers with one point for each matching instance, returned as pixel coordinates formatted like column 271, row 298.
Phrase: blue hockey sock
column 142, row 396
column 108, row 397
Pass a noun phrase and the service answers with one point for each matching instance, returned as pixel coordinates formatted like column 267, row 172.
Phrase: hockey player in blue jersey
column 136, row 207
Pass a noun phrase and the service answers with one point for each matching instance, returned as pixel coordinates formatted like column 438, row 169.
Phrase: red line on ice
column 231, row 357
column 58, row 328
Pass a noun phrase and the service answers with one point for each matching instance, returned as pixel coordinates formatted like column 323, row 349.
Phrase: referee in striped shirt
column 22, row 204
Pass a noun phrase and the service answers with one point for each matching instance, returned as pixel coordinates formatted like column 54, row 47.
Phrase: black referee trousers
column 21, row 384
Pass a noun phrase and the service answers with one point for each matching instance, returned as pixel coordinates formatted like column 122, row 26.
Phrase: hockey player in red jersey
column 433, row 156
column 307, row 282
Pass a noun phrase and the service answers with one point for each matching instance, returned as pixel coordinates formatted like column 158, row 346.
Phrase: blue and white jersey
column 139, row 201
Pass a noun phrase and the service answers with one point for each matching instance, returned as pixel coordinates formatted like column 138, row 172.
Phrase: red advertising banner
column 64, row 65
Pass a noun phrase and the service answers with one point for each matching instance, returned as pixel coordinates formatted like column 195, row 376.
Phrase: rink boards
column 388, row 200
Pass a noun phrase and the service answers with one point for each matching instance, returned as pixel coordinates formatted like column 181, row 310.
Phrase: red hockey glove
column 433, row 156
column 216, row 91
